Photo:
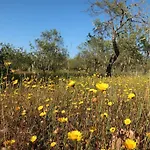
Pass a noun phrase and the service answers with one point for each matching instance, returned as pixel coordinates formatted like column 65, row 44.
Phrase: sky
column 22, row 21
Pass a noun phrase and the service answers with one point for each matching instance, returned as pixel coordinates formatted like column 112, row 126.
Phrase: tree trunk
column 113, row 58
column 1, row 61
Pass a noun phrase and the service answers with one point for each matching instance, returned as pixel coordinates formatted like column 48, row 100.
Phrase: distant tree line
column 118, row 45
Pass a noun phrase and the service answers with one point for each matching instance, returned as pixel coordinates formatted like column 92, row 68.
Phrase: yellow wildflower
column 94, row 75
column 40, row 107
column 12, row 141
column 102, row 86
column 112, row 129
column 53, row 144
column 63, row 111
column 127, row 121
column 47, row 105
column 104, row 115
column 23, row 112
column 15, row 82
column 92, row 129
column 55, row 111
column 15, row 92
column 75, row 135
column 63, row 119
column 74, row 103
column 42, row 114
column 131, row 96
column 110, row 103
column 81, row 102
column 71, row 83
column 33, row 138
column 33, row 86
column 47, row 100
column 93, row 90
column 130, row 144
column 88, row 109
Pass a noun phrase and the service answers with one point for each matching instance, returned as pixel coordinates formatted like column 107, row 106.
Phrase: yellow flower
column 40, row 107
column 12, row 141
column 33, row 86
column 94, row 75
column 55, row 111
column 63, row 119
column 112, row 129
column 110, row 103
column 75, row 135
column 15, row 92
column 15, row 82
column 53, row 144
column 71, row 83
column 104, row 115
column 127, row 121
column 47, row 105
column 131, row 96
column 74, row 103
column 88, row 109
column 130, row 144
column 93, row 90
column 63, row 111
column 102, row 86
column 42, row 114
column 81, row 102
column 23, row 112
column 29, row 97
column 92, row 129
column 33, row 138
column 47, row 100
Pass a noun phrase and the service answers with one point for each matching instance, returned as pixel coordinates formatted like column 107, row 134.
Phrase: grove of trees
column 119, row 44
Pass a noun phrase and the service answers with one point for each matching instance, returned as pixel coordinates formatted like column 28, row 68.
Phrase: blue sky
column 22, row 21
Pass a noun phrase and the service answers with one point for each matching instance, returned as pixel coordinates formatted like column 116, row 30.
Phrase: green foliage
column 94, row 54
column 15, row 55
column 119, row 43
column 121, row 18
column 51, row 54
column 130, row 58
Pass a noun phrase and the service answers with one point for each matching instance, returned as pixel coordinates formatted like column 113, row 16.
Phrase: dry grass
column 20, row 118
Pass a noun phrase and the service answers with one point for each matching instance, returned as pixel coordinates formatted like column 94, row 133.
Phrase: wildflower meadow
column 75, row 75
column 91, row 113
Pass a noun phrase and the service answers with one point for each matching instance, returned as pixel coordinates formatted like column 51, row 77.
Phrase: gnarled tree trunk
column 113, row 58
column 1, row 61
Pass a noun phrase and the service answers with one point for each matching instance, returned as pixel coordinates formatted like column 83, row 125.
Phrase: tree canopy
column 118, row 44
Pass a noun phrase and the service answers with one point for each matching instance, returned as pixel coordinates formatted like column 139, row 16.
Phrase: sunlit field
column 75, row 75
column 90, row 113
